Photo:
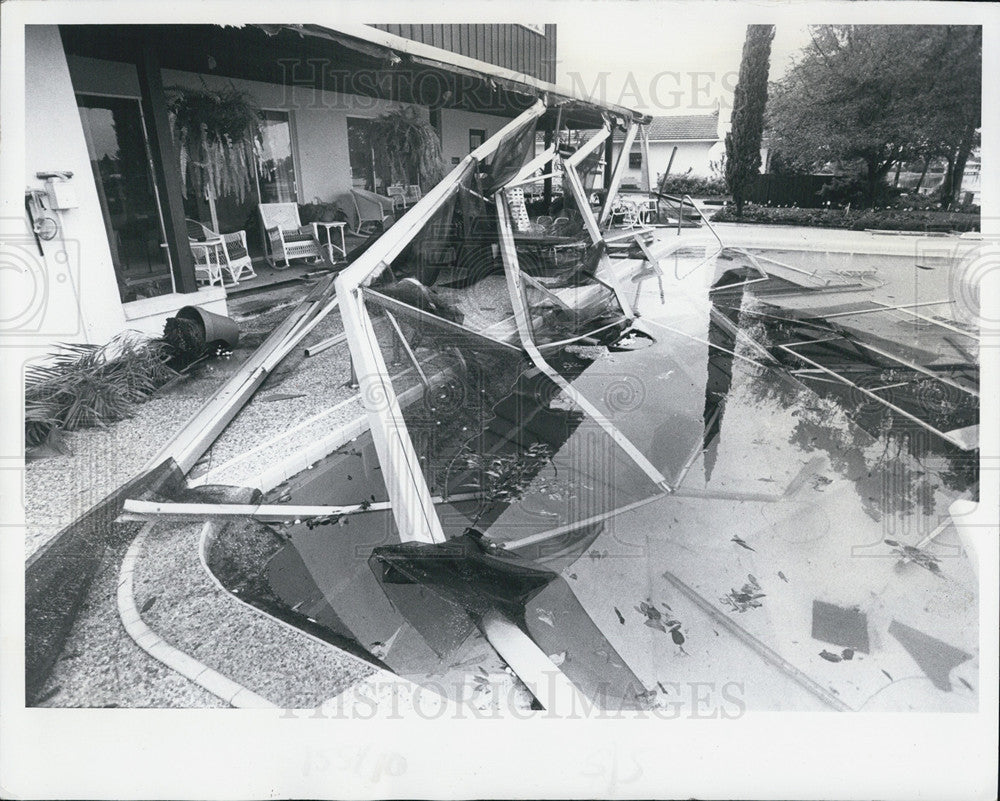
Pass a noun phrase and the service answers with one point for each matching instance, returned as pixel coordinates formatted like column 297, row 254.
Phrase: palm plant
column 91, row 385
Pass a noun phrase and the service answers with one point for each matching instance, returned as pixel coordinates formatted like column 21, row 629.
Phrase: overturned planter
column 214, row 327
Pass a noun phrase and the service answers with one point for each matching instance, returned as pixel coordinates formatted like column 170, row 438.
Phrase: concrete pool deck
column 182, row 603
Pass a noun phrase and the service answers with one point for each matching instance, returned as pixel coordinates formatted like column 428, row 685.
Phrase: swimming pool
column 731, row 474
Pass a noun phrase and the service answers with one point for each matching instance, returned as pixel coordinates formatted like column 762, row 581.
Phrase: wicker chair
column 398, row 194
column 413, row 194
column 235, row 257
column 287, row 238
column 372, row 209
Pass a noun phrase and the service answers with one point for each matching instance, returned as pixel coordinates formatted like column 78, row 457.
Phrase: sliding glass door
column 370, row 168
column 126, row 186
column 276, row 173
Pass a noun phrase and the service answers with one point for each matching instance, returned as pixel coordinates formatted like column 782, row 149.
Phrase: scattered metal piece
column 934, row 657
column 910, row 553
column 280, row 396
column 836, row 625
column 741, row 542
column 762, row 650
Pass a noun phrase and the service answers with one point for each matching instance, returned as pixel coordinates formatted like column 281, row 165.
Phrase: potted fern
column 218, row 137
column 409, row 146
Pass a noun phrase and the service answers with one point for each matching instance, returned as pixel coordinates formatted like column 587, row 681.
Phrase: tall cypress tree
column 749, row 99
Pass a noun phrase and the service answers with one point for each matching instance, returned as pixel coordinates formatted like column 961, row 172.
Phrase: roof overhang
column 393, row 48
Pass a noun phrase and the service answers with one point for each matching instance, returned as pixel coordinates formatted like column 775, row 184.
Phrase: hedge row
column 859, row 220
column 695, row 186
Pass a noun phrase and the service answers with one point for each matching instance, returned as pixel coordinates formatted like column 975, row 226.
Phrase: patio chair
column 287, row 237
column 234, row 254
column 518, row 211
column 560, row 226
column 398, row 194
column 544, row 222
column 413, row 194
column 371, row 208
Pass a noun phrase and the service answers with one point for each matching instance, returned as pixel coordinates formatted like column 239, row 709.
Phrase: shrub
column 859, row 220
column 695, row 186
column 318, row 211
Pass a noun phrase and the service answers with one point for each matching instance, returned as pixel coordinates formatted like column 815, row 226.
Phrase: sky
column 657, row 63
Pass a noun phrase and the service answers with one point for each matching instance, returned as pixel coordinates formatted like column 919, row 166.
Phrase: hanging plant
column 410, row 146
column 218, row 136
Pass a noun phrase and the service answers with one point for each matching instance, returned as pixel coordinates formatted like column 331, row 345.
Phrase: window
column 635, row 159
column 277, row 170
column 121, row 161
column 369, row 169
column 275, row 183
column 476, row 137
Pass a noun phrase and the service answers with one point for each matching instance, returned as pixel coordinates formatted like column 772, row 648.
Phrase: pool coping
column 197, row 672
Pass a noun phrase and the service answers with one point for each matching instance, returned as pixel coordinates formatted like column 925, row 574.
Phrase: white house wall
column 693, row 156
column 455, row 126
column 81, row 301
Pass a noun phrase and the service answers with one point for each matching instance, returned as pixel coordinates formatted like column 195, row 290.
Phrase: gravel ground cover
column 187, row 608
column 95, row 461
column 101, row 666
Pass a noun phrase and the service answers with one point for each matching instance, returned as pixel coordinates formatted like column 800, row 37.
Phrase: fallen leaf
column 829, row 657
column 148, row 605
column 782, row 576
column 847, row 653
column 888, row 675
column 621, row 617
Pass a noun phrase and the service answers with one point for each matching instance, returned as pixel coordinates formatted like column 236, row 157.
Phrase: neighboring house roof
column 687, row 127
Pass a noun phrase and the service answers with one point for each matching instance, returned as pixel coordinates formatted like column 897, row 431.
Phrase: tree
column 863, row 97
column 749, row 100
column 951, row 110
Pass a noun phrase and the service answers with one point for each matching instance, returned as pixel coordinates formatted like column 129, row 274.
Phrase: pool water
column 748, row 489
